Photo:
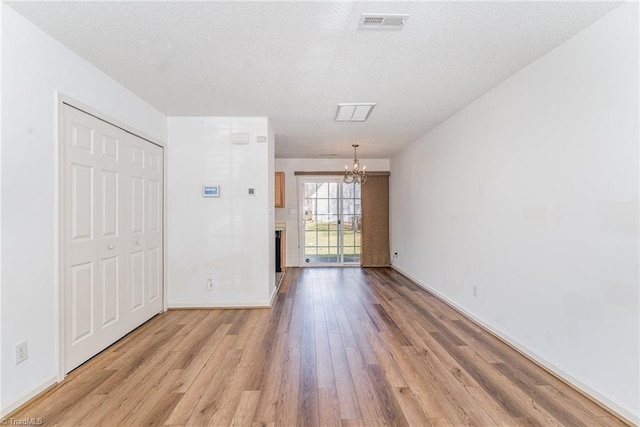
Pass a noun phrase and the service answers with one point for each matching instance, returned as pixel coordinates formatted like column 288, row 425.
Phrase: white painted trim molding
column 275, row 291
column 34, row 392
column 199, row 305
column 562, row 375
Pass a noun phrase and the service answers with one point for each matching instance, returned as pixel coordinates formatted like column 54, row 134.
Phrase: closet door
column 144, row 226
column 112, row 234
column 94, row 245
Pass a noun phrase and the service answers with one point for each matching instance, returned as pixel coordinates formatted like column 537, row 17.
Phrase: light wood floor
column 339, row 347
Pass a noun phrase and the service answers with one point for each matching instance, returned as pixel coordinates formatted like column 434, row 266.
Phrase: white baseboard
column 564, row 376
column 195, row 305
column 275, row 291
column 30, row 394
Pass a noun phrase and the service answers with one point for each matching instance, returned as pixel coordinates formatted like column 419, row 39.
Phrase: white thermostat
column 210, row 191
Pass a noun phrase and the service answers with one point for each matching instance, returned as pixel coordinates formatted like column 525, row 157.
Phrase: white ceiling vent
column 382, row 21
column 354, row 112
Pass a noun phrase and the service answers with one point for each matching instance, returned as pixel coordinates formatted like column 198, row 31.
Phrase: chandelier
column 355, row 174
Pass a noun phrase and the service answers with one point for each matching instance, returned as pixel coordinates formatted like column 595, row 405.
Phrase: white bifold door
column 112, row 203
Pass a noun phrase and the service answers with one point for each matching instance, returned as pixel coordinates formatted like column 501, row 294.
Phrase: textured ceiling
column 295, row 61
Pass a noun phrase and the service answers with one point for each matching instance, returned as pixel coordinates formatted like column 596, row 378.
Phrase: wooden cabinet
column 279, row 181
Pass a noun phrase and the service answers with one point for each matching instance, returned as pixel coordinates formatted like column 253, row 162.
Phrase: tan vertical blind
column 375, row 221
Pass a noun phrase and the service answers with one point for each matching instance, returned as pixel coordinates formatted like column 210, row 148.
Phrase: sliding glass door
column 331, row 223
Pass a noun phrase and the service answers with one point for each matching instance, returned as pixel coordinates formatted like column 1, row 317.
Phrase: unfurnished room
column 319, row 213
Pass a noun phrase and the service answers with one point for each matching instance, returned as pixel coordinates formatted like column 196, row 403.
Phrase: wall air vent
column 382, row 21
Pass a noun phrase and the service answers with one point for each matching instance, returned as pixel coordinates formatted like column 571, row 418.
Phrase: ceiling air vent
column 354, row 112
column 382, row 21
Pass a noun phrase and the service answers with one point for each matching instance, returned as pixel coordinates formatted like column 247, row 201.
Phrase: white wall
column 291, row 218
column 229, row 239
column 34, row 68
column 531, row 194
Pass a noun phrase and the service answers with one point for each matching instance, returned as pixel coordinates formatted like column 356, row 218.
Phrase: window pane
column 347, row 207
column 309, row 189
column 323, row 190
column 333, row 239
column 310, row 239
column 333, row 190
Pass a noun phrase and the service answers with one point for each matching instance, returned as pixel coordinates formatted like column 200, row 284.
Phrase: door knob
column 110, row 247
column 137, row 242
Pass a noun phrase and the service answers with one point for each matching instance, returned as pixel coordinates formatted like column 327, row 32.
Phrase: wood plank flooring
column 340, row 347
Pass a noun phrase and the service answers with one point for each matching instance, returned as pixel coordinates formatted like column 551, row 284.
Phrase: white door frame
column 62, row 99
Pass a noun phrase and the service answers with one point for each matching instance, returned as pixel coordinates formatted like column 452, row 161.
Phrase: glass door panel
column 327, row 205
column 351, row 223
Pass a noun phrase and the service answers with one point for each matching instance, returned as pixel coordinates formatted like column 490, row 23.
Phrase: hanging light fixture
column 355, row 174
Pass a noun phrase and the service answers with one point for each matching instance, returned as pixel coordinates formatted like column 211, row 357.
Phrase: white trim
column 30, row 394
column 199, row 305
column 165, row 229
column 273, row 294
column 58, row 251
column 577, row 384
column 65, row 99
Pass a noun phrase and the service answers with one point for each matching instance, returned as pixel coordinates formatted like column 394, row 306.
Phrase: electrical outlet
column 21, row 352
column 209, row 284
column 475, row 291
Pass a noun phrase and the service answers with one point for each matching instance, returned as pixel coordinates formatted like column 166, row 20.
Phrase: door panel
column 110, row 202
column 137, row 204
column 110, row 147
column 146, row 226
column 82, row 202
column 110, row 285
column 82, row 137
column 82, row 301
column 108, row 272
column 154, row 209
column 137, row 156
column 137, row 279
column 154, row 276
